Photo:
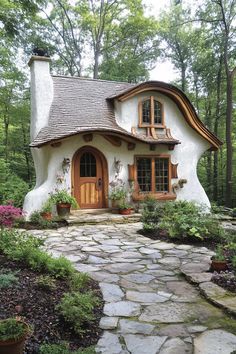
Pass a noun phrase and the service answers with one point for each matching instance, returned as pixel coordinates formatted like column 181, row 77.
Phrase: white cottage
column 86, row 134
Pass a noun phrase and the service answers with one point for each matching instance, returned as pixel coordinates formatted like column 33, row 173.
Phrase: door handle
column 99, row 184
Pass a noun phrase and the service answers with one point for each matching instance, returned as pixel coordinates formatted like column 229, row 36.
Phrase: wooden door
column 88, row 179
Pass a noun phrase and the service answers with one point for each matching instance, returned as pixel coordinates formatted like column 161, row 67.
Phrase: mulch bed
column 37, row 307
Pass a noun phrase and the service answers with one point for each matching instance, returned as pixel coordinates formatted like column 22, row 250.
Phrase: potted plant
column 46, row 211
column 13, row 333
column 64, row 201
column 117, row 196
column 218, row 261
column 125, row 208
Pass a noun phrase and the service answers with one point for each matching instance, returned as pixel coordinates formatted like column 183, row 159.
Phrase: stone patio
column 149, row 306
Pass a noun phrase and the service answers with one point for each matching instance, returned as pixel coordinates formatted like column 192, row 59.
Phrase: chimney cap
column 38, row 58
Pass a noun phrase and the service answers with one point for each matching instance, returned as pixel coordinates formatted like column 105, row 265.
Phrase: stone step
column 93, row 217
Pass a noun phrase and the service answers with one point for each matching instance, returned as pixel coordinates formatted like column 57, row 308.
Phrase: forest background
column 119, row 40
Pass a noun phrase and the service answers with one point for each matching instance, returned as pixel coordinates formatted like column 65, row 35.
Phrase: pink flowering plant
column 8, row 214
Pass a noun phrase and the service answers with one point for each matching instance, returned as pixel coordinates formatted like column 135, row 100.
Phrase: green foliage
column 118, row 193
column 24, row 247
column 124, row 205
column 63, row 349
column 46, row 282
column 11, row 329
column 47, row 206
column 37, row 219
column 7, row 278
column 12, row 187
column 78, row 281
column 62, row 196
column 60, row 267
column 219, row 253
column 78, row 309
column 182, row 220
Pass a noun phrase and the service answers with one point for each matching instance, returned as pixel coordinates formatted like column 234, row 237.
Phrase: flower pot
column 125, row 211
column 14, row 346
column 63, row 209
column 218, row 266
column 115, row 203
column 46, row 215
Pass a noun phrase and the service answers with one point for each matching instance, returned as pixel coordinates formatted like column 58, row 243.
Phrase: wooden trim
column 152, row 125
column 182, row 102
column 104, row 171
column 56, row 144
column 88, row 137
column 157, row 195
column 131, row 146
column 113, row 140
column 131, row 172
column 174, row 172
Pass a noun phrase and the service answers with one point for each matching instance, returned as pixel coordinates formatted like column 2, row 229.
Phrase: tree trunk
column 229, row 152
column 216, row 124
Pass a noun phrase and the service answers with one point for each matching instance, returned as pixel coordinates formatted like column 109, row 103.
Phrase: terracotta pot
column 63, row 209
column 218, row 266
column 14, row 346
column 125, row 211
column 46, row 215
column 115, row 203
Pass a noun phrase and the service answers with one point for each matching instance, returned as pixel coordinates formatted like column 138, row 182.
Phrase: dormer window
column 151, row 113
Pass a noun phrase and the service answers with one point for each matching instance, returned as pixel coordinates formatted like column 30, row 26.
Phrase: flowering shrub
column 8, row 214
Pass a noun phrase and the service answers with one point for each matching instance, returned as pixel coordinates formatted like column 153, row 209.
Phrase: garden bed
column 36, row 306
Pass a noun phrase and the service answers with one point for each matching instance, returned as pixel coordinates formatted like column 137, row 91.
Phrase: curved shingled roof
column 86, row 105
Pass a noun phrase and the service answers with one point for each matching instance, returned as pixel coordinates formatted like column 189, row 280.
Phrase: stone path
column 149, row 306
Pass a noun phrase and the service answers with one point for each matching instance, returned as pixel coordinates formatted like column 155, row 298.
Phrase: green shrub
column 46, row 282
column 13, row 189
column 78, row 309
column 60, row 267
column 63, row 349
column 11, row 329
column 182, row 220
column 7, row 278
column 37, row 219
column 78, row 281
column 13, row 242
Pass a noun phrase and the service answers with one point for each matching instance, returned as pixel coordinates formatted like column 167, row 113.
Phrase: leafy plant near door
column 64, row 201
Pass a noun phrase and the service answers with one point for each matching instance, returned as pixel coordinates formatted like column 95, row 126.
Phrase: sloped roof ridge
column 91, row 79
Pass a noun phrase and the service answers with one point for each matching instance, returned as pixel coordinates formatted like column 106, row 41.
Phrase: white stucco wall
column 186, row 154
column 48, row 160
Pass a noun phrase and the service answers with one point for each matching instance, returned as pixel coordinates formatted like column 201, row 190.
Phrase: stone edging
column 211, row 291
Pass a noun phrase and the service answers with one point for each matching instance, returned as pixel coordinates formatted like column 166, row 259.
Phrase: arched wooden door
column 89, row 178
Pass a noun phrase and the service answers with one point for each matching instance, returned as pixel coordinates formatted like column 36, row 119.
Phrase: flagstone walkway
column 149, row 306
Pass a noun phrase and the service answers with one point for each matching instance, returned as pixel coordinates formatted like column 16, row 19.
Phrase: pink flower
column 8, row 214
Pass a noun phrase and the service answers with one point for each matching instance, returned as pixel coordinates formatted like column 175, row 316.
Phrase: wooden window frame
column 137, row 195
column 152, row 124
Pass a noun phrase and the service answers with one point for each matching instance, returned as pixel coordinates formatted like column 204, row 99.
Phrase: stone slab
column 122, row 308
column 176, row 346
column 134, row 327
column 137, row 344
column 111, row 292
column 108, row 322
column 215, row 342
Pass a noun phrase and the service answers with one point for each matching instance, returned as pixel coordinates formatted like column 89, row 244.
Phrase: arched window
column 151, row 113
column 87, row 165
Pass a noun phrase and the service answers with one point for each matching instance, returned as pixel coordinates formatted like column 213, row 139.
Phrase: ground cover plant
column 185, row 222
column 36, row 286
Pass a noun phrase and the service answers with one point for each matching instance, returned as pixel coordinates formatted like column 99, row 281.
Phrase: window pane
column 87, row 165
column 144, row 174
column 146, row 107
column 161, row 175
column 157, row 112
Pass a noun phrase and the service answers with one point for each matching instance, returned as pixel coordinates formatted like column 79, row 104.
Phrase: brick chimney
column 41, row 93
